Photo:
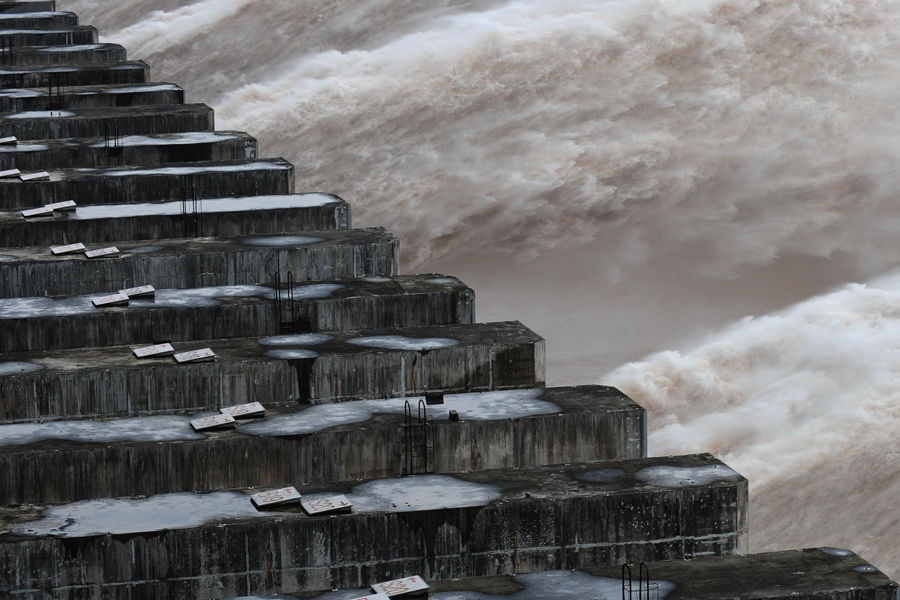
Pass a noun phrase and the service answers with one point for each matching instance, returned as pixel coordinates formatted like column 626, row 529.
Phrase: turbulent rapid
column 694, row 200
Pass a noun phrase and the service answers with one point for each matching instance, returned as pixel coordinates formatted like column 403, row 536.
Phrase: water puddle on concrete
column 399, row 342
column 299, row 339
column 675, row 477
column 140, row 429
column 282, row 240
column 291, row 353
column 156, row 513
column 483, row 406
column 18, row 368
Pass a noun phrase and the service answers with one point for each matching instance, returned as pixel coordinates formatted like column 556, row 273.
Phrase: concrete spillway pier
column 38, row 20
column 517, row 429
column 440, row 526
column 89, row 96
column 279, row 370
column 235, row 311
column 201, row 262
column 128, row 184
column 146, row 150
column 130, row 72
column 812, row 574
column 83, row 54
column 121, row 121
column 212, row 217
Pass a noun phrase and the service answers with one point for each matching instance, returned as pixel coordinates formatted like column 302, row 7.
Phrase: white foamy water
column 625, row 177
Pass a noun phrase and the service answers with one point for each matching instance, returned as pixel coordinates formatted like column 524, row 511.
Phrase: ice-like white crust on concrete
column 478, row 406
column 675, row 477
column 23, row 147
column 211, row 205
column 420, row 492
column 41, row 306
column 170, row 139
column 162, row 87
column 19, row 93
column 73, row 48
column 156, row 513
column 836, row 551
column 282, row 240
column 291, row 353
column 400, row 342
column 297, row 339
column 140, row 429
column 36, row 14
column 40, row 114
column 253, row 166
column 18, row 368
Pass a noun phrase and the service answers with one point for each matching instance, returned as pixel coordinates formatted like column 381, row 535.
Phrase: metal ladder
column 645, row 590
column 418, row 444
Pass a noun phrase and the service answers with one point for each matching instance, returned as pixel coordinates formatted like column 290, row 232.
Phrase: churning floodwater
column 694, row 200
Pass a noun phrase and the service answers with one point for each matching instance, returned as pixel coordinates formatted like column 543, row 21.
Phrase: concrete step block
column 132, row 72
column 179, row 315
column 89, row 96
column 65, row 461
column 132, row 184
column 144, row 150
column 124, row 121
column 80, row 54
column 811, row 574
column 66, row 36
column 496, row 522
column 282, row 371
column 38, row 20
column 200, row 262
column 211, row 217
column 18, row 6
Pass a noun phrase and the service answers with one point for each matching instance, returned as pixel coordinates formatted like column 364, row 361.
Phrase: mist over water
column 630, row 178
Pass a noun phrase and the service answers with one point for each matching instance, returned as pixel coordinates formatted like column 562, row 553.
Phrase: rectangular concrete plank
column 121, row 121
column 201, row 262
column 277, row 370
column 496, row 522
column 66, row 36
column 129, row 184
column 89, row 96
column 211, row 217
column 65, row 461
column 38, row 20
column 244, row 311
column 145, row 150
column 131, row 72
column 78, row 54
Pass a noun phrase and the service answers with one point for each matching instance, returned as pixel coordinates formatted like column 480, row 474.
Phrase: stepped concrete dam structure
column 213, row 386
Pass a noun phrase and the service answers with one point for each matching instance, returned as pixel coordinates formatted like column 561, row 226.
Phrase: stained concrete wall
column 131, row 72
column 546, row 518
column 358, row 305
column 91, row 96
column 39, row 20
column 592, row 423
column 88, row 122
column 62, row 228
column 117, row 185
column 97, row 54
column 98, row 381
column 21, row 7
column 93, row 152
column 80, row 34
column 185, row 263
